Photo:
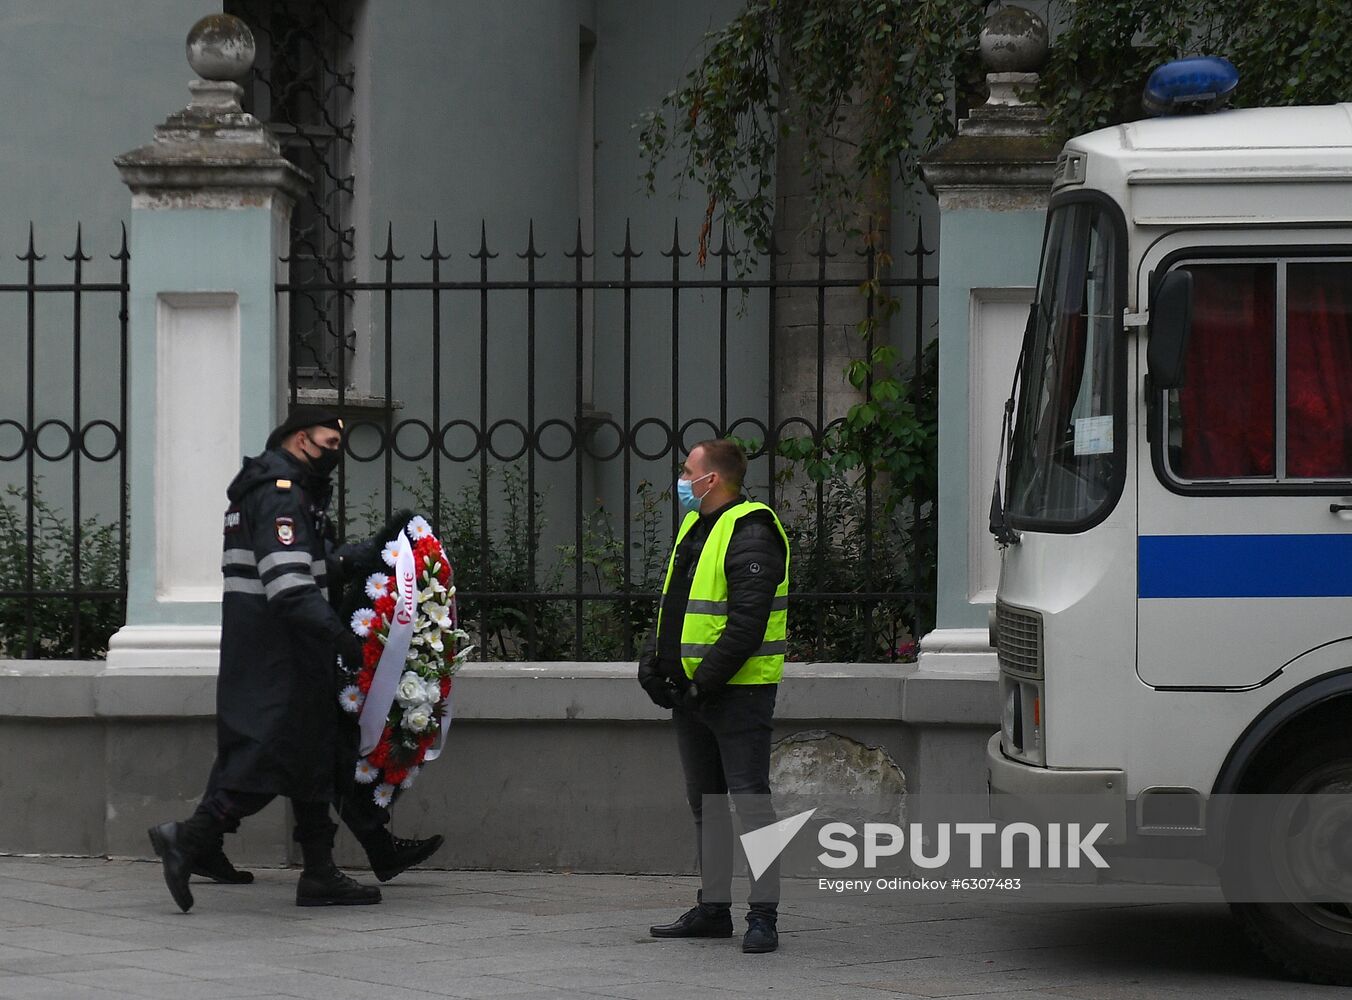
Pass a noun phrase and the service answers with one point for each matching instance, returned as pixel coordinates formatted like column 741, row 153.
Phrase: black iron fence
column 63, row 463
column 538, row 415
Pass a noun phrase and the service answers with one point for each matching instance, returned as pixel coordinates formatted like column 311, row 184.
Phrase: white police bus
column 1174, row 613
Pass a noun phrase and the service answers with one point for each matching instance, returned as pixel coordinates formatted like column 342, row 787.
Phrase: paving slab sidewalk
column 86, row 928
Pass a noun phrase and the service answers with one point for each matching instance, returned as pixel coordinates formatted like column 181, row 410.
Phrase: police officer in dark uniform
column 388, row 855
column 275, row 696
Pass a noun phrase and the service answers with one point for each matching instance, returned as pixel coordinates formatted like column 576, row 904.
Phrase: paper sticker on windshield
column 1094, row 436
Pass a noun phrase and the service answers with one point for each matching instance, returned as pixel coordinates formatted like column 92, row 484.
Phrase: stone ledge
column 588, row 692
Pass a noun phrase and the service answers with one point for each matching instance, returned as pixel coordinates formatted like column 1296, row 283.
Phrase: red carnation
column 381, row 754
column 371, row 652
column 365, row 676
column 384, row 606
column 394, row 775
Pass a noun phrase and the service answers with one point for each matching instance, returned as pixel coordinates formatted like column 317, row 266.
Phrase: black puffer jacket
column 755, row 566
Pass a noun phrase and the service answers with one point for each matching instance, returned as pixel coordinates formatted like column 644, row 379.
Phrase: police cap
column 302, row 417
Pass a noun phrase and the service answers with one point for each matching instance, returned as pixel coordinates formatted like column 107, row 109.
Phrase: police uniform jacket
column 275, row 695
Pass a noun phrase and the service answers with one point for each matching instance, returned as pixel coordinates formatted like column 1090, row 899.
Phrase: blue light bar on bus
column 1195, row 85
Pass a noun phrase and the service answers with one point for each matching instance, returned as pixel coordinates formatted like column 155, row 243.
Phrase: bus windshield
column 1067, row 429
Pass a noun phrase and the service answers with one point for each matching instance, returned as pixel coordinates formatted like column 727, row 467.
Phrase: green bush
column 45, row 626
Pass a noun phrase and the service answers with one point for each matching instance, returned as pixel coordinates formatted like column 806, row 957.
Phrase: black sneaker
column 701, row 921
column 332, row 888
column 396, row 855
column 761, row 935
column 167, row 840
column 217, row 867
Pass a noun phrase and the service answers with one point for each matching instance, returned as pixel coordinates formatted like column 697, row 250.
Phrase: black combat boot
column 391, row 856
column 761, row 934
column 704, row 920
column 213, row 864
column 179, row 845
column 322, row 884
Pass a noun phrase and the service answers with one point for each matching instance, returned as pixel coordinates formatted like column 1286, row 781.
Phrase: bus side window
column 1319, row 370
column 1221, row 420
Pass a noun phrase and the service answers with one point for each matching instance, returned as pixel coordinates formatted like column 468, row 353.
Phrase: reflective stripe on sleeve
column 275, row 559
column 289, row 581
column 243, row 585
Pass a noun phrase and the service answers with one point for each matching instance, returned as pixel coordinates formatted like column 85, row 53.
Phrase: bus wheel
column 1288, row 867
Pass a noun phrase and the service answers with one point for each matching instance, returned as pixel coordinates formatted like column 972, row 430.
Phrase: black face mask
column 325, row 462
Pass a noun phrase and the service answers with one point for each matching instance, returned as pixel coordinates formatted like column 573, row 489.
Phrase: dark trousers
column 353, row 802
column 725, row 750
column 221, row 810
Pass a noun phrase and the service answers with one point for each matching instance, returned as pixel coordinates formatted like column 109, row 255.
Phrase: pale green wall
column 979, row 250
column 193, row 250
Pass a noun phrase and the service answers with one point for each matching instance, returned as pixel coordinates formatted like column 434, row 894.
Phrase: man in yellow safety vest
column 716, row 658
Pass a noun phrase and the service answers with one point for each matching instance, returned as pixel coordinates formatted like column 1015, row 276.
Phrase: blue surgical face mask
column 685, row 493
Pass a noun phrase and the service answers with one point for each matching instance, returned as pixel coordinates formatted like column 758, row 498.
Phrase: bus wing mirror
column 1170, row 325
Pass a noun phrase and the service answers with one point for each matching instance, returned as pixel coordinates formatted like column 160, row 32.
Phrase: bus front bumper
column 1021, row 791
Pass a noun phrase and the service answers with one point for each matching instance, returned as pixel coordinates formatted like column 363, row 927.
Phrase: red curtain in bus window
column 1228, row 398
column 1318, row 371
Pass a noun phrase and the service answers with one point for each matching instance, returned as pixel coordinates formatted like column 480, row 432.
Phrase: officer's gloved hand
column 660, row 690
column 657, row 687
column 349, row 647
column 689, row 697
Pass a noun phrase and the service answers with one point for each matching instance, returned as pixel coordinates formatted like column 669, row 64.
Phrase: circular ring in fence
column 37, row 440
column 456, row 425
column 638, row 429
column 540, row 440
column 764, row 436
column 593, row 432
column 23, row 440
column 426, row 449
column 808, row 427
column 96, row 425
column 517, row 426
column 826, row 434
column 684, row 433
column 350, row 436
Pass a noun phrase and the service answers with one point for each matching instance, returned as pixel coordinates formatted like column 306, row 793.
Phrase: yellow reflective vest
column 706, row 614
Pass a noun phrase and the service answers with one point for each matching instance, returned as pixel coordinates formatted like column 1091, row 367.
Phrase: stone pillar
column 211, row 206
column 993, row 181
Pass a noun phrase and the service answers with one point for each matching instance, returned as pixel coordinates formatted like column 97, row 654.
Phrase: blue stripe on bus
column 1244, row 566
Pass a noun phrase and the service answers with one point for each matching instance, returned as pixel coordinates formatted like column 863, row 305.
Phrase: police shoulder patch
column 286, row 530
column 232, row 519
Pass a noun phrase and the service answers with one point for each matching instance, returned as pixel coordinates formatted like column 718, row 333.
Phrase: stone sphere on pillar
column 220, row 47
column 1014, row 40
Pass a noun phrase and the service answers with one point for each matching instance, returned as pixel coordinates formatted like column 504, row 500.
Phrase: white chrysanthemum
column 351, row 698
column 366, row 771
column 384, row 794
column 377, row 586
column 418, row 528
column 363, row 621
column 390, row 553
column 408, row 778
column 409, row 690
column 418, row 718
